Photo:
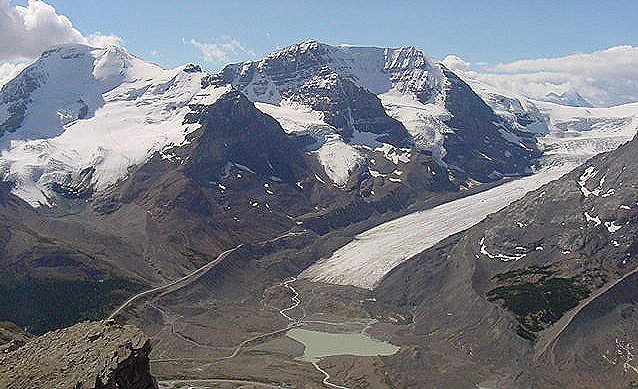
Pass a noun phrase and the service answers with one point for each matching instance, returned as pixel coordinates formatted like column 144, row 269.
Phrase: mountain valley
column 489, row 237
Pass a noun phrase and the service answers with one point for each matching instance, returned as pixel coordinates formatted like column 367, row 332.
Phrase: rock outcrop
column 11, row 337
column 88, row 355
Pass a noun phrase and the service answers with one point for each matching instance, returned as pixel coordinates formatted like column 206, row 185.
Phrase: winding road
column 193, row 276
column 172, row 383
column 176, row 284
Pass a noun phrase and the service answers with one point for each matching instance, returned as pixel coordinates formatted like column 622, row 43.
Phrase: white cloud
column 599, row 62
column 26, row 31
column 455, row 63
column 98, row 39
column 222, row 50
column 9, row 70
column 603, row 78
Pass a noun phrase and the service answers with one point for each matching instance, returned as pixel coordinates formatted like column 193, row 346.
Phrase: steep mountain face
column 98, row 355
column 236, row 179
column 546, row 282
column 356, row 92
column 57, row 271
column 482, row 145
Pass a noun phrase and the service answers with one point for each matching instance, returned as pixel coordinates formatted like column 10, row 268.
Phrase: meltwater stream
column 319, row 344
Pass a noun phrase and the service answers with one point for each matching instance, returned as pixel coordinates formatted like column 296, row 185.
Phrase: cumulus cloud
column 98, row 39
column 455, row 63
column 221, row 50
column 26, row 31
column 602, row 78
column 9, row 70
column 597, row 63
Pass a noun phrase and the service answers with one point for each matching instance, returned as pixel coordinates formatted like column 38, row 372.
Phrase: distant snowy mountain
column 78, row 118
column 378, row 121
column 354, row 101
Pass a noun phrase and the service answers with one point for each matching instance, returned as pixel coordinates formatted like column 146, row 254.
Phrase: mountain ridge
column 286, row 160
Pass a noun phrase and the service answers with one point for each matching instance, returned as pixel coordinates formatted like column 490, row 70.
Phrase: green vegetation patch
column 539, row 271
column 536, row 297
column 46, row 304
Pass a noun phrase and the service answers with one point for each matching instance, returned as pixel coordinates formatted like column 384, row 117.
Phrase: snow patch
column 595, row 220
column 395, row 154
column 612, row 227
column 582, row 181
column 522, row 253
column 424, row 122
column 298, row 119
column 338, row 159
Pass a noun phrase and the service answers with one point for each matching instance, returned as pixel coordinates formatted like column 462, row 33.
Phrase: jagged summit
column 371, row 98
column 376, row 69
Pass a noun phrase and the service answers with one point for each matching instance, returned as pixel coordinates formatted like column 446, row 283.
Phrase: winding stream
column 319, row 344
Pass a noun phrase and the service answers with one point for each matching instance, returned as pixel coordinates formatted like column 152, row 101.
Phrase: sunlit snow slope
column 80, row 117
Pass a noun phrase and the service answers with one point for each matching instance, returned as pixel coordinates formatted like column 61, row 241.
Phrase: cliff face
column 88, row 355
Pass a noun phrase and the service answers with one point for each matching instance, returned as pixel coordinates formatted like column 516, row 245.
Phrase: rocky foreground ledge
column 88, row 355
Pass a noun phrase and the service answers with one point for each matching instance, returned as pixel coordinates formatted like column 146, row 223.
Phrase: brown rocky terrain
column 88, row 355
column 12, row 337
column 540, row 294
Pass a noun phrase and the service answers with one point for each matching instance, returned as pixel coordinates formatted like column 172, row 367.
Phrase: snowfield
column 96, row 108
column 337, row 157
column 576, row 134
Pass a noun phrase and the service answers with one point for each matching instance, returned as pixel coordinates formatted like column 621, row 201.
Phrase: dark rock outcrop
column 88, row 355
column 478, row 147
column 12, row 337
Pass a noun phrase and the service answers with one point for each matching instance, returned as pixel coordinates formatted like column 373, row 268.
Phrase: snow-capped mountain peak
column 374, row 68
column 78, row 118
column 368, row 97
column 66, row 83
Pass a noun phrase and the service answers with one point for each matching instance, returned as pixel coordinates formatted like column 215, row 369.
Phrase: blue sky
column 584, row 47
column 477, row 31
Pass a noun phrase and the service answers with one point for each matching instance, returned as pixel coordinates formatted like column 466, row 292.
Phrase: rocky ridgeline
column 88, row 355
